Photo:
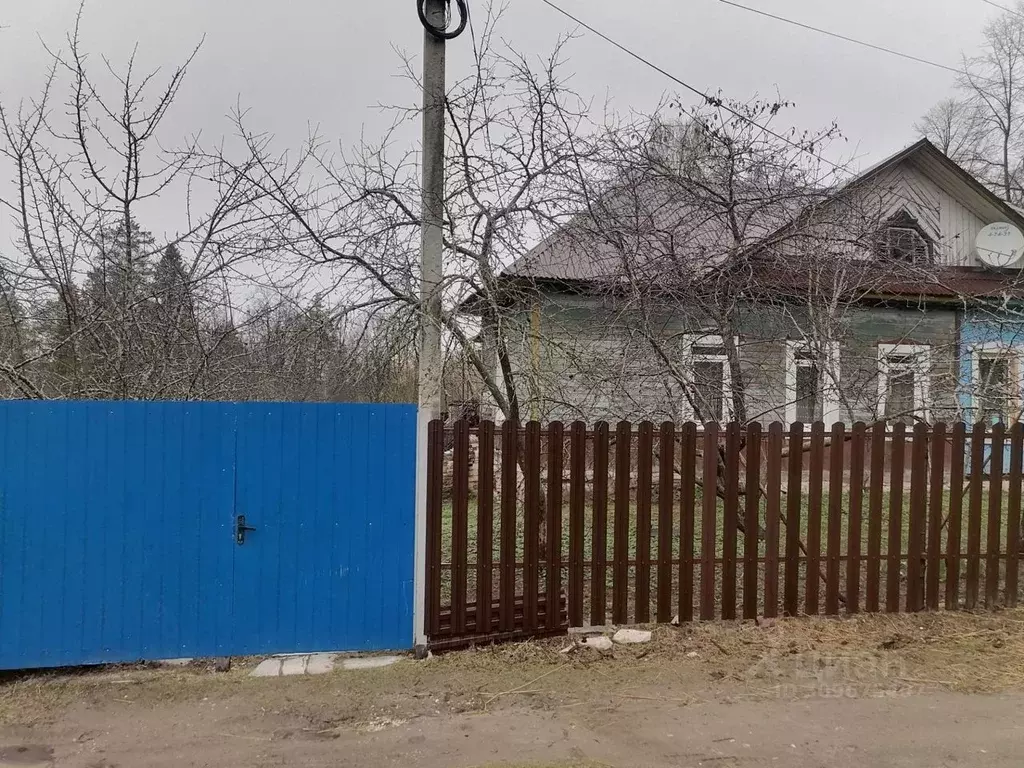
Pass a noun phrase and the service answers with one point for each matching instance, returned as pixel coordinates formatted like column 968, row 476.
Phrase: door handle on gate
column 241, row 528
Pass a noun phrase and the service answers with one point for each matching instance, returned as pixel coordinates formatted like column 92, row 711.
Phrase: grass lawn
column 885, row 520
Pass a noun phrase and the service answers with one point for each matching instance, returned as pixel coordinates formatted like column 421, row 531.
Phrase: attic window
column 905, row 244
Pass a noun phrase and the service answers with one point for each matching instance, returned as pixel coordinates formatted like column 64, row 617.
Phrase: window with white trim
column 904, row 381
column 995, row 383
column 810, row 382
column 803, row 384
column 707, row 365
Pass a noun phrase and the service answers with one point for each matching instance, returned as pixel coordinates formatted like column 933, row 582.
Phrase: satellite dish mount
column 1000, row 245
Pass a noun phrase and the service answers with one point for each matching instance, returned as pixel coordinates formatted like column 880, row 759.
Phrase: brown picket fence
column 534, row 529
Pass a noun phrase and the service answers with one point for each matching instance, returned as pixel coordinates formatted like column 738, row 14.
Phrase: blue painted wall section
column 985, row 327
column 979, row 329
column 117, row 530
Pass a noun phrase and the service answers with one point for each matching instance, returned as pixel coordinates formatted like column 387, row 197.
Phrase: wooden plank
column 577, row 519
column 872, row 591
column 1013, row 495
column 814, row 479
column 553, row 571
column 894, row 548
column 977, row 481
column 917, row 524
column 995, row 515
column 772, row 515
column 835, row 518
column 709, row 522
column 485, row 523
column 687, row 502
column 854, row 521
column 957, row 454
column 460, row 524
column 730, row 519
column 508, row 532
column 751, row 520
column 620, row 552
column 936, row 495
column 794, row 494
column 644, row 482
column 666, row 505
column 435, row 491
column 532, row 517
column 446, row 641
column 599, row 532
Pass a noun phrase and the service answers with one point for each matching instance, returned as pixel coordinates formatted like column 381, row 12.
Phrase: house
column 864, row 303
column 991, row 352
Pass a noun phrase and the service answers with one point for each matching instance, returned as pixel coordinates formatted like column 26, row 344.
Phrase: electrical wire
column 445, row 32
column 693, row 89
column 1003, row 8
column 854, row 40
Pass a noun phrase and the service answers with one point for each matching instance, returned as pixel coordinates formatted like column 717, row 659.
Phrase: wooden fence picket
column 666, row 504
column 773, row 518
column 854, row 527
column 599, row 534
column 549, row 525
column 794, row 495
column 485, row 528
column 645, row 469
column 752, row 520
column 709, row 523
column 577, row 520
column 977, row 483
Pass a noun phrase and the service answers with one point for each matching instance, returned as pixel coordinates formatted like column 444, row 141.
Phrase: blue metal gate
column 159, row 530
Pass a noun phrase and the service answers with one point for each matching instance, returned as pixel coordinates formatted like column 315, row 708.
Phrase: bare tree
column 982, row 129
column 956, row 127
column 116, row 311
column 519, row 144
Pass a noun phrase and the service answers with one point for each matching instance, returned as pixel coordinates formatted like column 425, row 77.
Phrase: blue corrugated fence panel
column 117, row 529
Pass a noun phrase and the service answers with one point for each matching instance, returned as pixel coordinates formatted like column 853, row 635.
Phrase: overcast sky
column 331, row 62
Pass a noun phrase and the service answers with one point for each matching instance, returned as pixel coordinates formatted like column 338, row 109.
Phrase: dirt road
column 926, row 730
column 920, row 691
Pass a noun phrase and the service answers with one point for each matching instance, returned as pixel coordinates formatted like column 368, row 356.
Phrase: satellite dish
column 999, row 245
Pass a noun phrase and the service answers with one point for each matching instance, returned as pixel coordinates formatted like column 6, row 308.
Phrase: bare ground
column 926, row 690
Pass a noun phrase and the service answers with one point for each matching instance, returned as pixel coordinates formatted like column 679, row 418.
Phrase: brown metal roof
column 642, row 223
column 882, row 280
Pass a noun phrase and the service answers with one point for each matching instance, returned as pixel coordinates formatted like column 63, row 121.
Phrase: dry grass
column 793, row 658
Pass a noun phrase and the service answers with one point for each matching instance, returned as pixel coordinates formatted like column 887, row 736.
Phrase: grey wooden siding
column 589, row 362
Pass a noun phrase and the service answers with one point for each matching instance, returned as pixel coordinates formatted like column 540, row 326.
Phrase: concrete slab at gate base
column 317, row 664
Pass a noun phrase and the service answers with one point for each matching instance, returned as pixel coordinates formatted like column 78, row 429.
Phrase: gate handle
column 241, row 528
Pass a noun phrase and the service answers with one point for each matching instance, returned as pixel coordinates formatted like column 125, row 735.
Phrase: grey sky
column 330, row 62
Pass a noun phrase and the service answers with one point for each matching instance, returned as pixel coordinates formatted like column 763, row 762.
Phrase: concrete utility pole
column 431, row 363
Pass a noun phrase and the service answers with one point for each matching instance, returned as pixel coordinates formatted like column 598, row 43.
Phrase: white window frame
column 829, row 396
column 995, row 349
column 922, row 354
column 691, row 340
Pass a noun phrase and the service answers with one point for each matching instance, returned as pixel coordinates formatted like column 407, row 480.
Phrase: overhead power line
column 853, row 40
column 693, row 89
column 1003, row 8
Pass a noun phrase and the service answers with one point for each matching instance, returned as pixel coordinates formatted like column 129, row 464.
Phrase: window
column 709, row 373
column 904, row 244
column 803, row 385
column 810, row 395
column 904, row 381
column 995, row 383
